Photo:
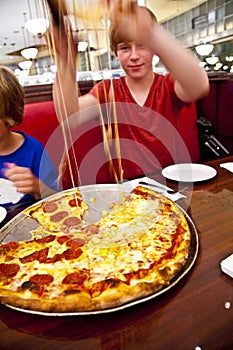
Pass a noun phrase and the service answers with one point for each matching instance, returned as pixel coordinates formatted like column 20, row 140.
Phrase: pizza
column 132, row 251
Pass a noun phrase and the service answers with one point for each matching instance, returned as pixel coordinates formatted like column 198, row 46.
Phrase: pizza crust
column 81, row 301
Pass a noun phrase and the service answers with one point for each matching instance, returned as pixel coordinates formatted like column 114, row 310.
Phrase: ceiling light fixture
column 204, row 49
column 202, row 64
column 37, row 26
column 212, row 60
column 82, row 46
column 229, row 58
column 25, row 65
column 218, row 66
column 29, row 53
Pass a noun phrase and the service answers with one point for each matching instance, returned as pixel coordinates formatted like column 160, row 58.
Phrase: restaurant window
column 211, row 29
column 211, row 17
column 229, row 23
column 195, row 12
column 229, row 8
column 219, row 2
column 196, row 35
column 211, row 5
column 203, row 32
column 219, row 26
column 219, row 13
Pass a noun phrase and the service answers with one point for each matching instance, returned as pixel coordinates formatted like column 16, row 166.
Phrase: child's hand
column 23, row 179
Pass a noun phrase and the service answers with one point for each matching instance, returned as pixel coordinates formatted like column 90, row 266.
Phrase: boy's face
column 135, row 59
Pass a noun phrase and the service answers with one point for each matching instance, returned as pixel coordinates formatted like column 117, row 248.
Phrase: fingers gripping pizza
column 132, row 251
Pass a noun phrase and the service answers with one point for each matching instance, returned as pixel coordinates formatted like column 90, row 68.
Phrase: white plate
column 189, row 172
column 2, row 213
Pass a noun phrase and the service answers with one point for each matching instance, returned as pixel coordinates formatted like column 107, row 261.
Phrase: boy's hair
column 117, row 35
column 11, row 98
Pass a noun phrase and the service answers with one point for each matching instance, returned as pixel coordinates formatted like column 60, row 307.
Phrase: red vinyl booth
column 40, row 121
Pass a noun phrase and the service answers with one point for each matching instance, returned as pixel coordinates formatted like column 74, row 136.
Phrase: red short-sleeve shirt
column 148, row 135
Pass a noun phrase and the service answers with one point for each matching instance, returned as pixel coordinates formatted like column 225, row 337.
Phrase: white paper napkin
column 156, row 186
column 228, row 166
column 8, row 192
column 227, row 265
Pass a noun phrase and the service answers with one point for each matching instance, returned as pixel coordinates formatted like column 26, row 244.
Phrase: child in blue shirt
column 26, row 171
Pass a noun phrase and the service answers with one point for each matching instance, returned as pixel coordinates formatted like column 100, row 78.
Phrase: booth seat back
column 187, row 128
column 40, row 121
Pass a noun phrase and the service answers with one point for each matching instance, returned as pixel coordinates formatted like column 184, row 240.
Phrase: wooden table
column 195, row 314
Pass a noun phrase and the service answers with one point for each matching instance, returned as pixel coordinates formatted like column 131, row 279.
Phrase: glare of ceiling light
column 29, row 53
column 204, row 49
column 37, row 26
column 25, row 65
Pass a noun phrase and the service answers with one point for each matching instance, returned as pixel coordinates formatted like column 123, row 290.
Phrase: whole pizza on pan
column 134, row 250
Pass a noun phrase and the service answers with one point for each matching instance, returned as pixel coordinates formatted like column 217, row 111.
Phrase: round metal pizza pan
column 98, row 198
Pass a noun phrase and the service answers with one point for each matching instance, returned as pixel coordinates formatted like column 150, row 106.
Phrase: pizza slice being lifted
column 63, row 212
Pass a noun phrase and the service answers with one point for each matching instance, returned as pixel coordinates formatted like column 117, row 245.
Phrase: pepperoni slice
column 49, row 207
column 97, row 288
column 72, row 221
column 52, row 260
column 75, row 243
column 59, row 216
column 11, row 245
column 41, row 279
column 9, row 270
column 75, row 278
column 40, row 255
column 76, row 202
column 6, row 247
column 72, row 253
column 93, row 229
column 63, row 239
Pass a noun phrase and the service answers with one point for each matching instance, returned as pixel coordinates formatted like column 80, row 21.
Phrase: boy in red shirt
column 145, row 106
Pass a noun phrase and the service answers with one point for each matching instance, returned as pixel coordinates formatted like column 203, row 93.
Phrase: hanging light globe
column 29, row 53
column 204, row 49
column 37, row 26
column 212, row 60
column 25, row 65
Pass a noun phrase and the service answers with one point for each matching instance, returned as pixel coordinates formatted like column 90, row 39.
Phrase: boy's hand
column 134, row 22
column 61, row 35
